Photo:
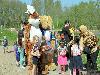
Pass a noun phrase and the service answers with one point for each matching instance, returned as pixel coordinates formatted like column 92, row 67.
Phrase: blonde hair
column 35, row 38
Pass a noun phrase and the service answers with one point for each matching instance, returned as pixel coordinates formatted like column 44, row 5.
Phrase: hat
column 30, row 9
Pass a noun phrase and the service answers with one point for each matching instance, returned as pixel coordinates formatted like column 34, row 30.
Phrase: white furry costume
column 34, row 22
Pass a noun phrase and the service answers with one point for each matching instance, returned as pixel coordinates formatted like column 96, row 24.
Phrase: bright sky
column 69, row 3
column 65, row 3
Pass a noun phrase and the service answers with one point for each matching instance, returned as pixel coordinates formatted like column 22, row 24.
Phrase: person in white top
column 76, row 56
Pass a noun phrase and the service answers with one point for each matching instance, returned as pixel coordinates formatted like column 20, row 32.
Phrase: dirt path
column 8, row 64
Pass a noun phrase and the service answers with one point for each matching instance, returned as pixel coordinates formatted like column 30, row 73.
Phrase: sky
column 64, row 3
column 68, row 3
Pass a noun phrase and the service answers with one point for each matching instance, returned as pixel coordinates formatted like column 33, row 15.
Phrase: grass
column 11, row 36
column 98, row 58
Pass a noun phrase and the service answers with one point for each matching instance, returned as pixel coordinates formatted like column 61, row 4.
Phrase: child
column 62, row 38
column 16, row 53
column 5, row 43
column 76, row 56
column 22, row 57
column 62, row 59
column 46, row 57
column 35, row 54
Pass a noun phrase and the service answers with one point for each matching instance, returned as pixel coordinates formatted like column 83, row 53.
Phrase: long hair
column 76, row 40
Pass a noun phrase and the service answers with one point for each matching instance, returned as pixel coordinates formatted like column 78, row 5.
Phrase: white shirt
column 75, row 49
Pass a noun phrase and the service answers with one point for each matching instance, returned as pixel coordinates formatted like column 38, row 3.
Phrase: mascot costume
column 31, row 30
column 88, row 43
column 37, row 26
column 45, row 26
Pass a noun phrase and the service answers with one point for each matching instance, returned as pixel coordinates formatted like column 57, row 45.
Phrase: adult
column 67, row 36
column 66, row 31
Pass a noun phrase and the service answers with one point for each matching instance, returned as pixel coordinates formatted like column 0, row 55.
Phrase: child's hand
column 33, row 53
column 43, row 50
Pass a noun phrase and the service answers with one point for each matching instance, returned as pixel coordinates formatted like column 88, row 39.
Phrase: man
column 5, row 43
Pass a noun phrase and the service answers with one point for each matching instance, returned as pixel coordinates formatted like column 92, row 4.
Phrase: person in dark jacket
column 67, row 36
column 66, row 31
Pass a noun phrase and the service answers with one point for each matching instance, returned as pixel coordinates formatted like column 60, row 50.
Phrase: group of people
column 69, row 52
column 64, row 45
column 20, row 55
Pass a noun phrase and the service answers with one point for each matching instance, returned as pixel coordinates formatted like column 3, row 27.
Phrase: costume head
column 83, row 29
column 46, row 22
column 34, row 19
column 87, row 37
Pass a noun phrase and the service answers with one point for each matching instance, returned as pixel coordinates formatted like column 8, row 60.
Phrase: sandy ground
column 8, row 64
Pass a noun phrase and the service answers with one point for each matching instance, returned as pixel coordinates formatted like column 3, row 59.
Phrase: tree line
column 87, row 13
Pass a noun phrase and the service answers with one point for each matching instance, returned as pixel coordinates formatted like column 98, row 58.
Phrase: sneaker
column 17, row 64
column 22, row 67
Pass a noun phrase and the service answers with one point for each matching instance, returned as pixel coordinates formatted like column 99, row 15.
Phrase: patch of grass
column 11, row 36
column 98, row 61
column 98, row 58
column 84, row 59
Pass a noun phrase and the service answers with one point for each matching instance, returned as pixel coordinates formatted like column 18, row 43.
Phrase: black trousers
column 91, row 61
